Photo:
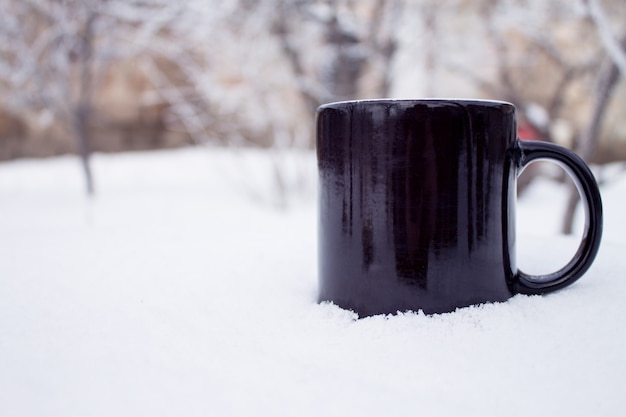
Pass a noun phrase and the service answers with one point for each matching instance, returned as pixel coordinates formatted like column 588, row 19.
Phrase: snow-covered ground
column 177, row 291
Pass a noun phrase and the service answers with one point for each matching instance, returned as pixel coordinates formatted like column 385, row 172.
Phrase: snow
column 178, row 292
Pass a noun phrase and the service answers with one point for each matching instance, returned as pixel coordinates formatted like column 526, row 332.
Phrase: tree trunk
column 84, row 150
column 82, row 111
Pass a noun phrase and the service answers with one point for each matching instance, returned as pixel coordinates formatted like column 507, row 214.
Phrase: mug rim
column 461, row 101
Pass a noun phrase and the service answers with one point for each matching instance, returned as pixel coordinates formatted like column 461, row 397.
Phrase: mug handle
column 579, row 172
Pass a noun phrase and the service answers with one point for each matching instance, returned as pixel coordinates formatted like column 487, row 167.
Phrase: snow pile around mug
column 178, row 292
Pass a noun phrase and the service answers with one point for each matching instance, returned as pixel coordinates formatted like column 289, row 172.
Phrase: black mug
column 417, row 205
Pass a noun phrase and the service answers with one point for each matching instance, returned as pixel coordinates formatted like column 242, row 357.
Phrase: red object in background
column 526, row 131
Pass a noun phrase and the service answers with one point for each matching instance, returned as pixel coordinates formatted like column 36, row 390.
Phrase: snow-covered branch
column 614, row 48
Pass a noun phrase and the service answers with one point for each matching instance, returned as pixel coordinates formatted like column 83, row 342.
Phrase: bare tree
column 532, row 70
column 45, row 46
column 612, row 69
column 254, row 73
column 545, row 62
column 52, row 54
column 353, row 37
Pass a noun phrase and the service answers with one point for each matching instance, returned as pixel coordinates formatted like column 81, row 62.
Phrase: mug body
column 416, row 204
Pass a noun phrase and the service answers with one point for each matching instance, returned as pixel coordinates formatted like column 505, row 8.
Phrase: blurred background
column 85, row 76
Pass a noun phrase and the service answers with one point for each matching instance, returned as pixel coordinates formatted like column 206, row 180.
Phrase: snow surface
column 179, row 292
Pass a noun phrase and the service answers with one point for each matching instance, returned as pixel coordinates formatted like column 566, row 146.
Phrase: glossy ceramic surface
column 417, row 205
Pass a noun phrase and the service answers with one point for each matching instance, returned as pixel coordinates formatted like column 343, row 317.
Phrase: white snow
column 177, row 292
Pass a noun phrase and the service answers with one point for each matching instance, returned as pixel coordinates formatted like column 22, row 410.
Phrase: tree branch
column 609, row 41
